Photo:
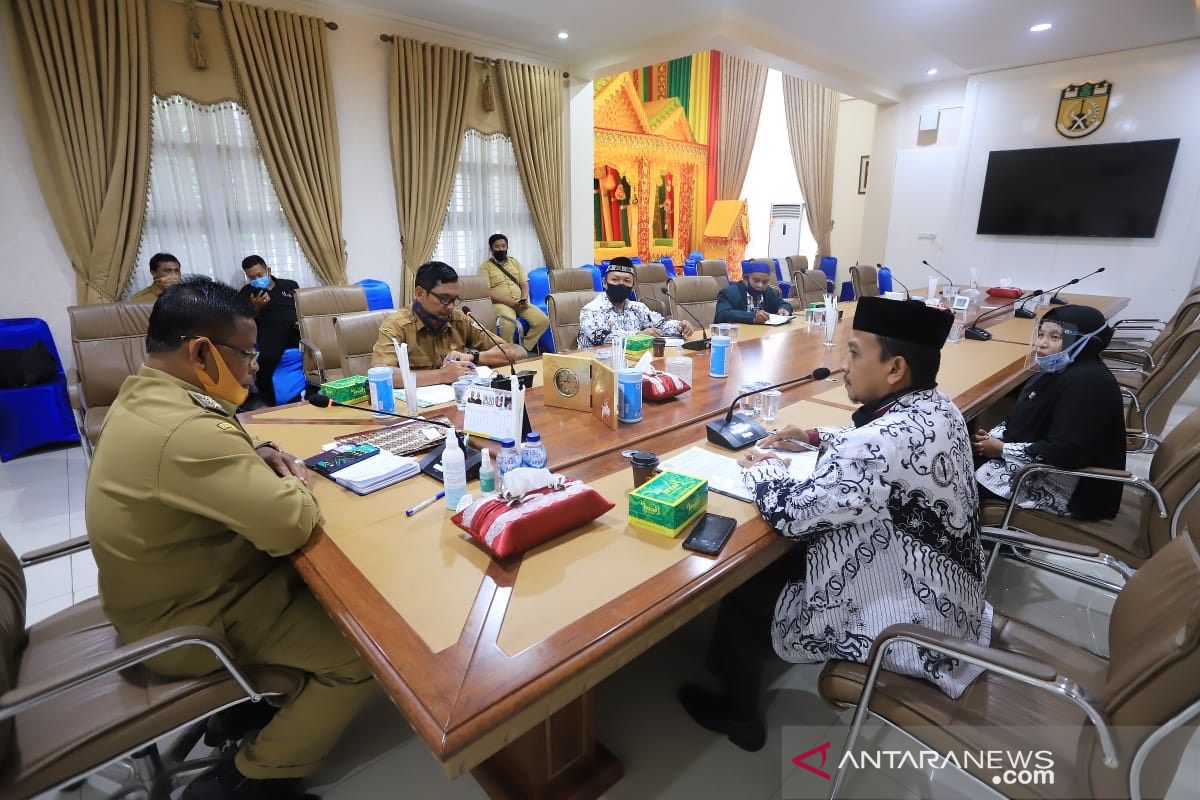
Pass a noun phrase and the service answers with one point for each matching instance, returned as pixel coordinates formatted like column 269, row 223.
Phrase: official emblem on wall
column 1081, row 108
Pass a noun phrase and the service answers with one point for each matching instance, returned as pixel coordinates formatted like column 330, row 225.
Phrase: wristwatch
column 474, row 354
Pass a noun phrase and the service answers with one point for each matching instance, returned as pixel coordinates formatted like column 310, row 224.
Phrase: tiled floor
column 665, row 756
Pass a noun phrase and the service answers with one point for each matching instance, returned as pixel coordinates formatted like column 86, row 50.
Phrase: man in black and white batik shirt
column 615, row 312
column 886, row 530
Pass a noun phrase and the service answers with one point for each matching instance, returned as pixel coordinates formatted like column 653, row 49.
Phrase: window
column 210, row 200
column 487, row 198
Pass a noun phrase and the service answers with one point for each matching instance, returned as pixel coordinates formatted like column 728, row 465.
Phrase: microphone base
column 431, row 462
column 739, row 433
column 978, row 334
column 699, row 344
column 524, row 378
column 1057, row 301
column 1024, row 313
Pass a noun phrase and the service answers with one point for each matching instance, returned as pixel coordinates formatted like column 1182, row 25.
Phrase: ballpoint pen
column 425, row 503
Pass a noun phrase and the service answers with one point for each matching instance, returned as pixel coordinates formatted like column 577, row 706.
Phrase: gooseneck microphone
column 736, row 431
column 907, row 293
column 938, row 271
column 979, row 334
column 700, row 344
column 325, row 401
column 1055, row 298
column 511, row 364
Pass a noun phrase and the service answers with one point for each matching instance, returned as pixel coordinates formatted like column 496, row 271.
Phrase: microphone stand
column 907, row 293
column 1055, row 300
column 702, row 344
column 938, row 271
column 979, row 334
column 512, row 365
column 737, row 431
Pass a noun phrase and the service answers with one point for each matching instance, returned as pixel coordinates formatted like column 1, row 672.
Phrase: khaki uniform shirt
column 147, row 295
column 426, row 349
column 498, row 281
column 187, row 522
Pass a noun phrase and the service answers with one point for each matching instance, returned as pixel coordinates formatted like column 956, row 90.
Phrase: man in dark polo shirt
column 274, row 302
column 442, row 343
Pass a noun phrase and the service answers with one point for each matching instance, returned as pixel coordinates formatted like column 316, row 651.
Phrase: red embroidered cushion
column 659, row 386
column 507, row 530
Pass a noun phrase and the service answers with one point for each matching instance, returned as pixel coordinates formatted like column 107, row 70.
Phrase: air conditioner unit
column 784, row 239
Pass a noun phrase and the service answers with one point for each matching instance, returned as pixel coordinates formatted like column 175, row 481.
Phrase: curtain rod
column 333, row 26
column 388, row 37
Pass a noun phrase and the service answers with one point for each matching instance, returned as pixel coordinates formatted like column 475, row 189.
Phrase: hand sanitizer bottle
column 487, row 475
column 454, row 471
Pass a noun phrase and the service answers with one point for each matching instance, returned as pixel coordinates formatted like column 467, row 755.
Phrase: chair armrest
column 43, row 554
column 317, row 355
column 1095, row 473
column 1150, row 442
column 1017, row 538
column 1130, row 353
column 75, row 390
column 29, row 695
column 1139, row 323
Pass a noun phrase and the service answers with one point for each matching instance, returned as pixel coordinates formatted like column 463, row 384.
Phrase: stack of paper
column 725, row 476
column 436, row 395
column 374, row 473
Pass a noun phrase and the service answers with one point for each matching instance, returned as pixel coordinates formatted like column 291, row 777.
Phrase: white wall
column 855, row 137
column 581, row 147
column 941, row 192
column 37, row 275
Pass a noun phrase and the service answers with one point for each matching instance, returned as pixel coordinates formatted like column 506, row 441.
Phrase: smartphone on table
column 710, row 534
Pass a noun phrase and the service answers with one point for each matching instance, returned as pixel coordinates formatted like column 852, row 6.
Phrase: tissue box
column 637, row 344
column 346, row 390
column 668, row 503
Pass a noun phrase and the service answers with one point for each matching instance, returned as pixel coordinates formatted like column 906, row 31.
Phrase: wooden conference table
column 493, row 663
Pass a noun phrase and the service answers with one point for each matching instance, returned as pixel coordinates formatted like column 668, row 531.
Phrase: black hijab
column 1076, row 418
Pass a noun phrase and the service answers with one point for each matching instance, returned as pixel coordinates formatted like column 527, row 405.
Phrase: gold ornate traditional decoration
column 197, row 49
column 1081, row 108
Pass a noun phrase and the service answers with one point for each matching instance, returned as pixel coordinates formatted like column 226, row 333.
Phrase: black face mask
column 500, row 255
column 618, row 292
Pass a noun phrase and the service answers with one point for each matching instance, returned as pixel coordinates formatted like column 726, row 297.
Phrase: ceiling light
column 562, row 34
column 931, row 71
column 1041, row 26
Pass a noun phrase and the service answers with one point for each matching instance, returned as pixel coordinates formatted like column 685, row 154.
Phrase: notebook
column 725, row 476
column 428, row 396
column 376, row 472
column 778, row 319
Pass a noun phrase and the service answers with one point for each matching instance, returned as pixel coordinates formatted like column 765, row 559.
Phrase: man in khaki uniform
column 166, row 272
column 443, row 344
column 510, row 294
column 191, row 519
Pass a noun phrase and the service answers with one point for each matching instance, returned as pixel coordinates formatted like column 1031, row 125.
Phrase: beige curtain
column 532, row 100
column 81, row 70
column 812, row 113
column 283, row 74
column 426, row 107
column 743, row 84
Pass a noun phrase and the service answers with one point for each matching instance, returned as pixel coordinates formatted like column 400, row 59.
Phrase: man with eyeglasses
column 191, row 521
column 443, row 345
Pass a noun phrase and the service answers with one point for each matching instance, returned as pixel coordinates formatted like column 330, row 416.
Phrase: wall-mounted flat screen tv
column 1114, row 190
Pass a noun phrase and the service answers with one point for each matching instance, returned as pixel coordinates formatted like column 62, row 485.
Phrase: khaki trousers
column 507, row 319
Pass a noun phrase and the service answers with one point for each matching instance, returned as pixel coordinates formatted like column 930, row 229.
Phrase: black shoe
column 234, row 724
column 710, row 711
column 224, row 782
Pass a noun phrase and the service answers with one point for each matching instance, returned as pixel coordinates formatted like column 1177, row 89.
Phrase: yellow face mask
column 226, row 387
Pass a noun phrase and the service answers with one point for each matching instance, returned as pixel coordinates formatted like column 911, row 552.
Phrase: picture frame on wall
column 864, row 166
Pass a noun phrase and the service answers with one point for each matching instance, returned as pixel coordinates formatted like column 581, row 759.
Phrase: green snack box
column 346, row 390
column 668, row 503
column 638, row 344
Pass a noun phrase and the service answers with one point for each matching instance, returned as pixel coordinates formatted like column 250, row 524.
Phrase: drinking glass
column 770, row 404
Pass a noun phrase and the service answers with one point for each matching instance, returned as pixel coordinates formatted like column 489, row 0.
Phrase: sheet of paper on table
column 725, row 476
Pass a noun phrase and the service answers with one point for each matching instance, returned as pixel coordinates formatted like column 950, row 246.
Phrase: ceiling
column 875, row 49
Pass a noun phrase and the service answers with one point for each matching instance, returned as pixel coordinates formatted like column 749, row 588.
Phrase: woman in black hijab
column 1069, row 414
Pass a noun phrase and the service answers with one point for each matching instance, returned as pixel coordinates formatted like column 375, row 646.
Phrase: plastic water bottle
column 508, row 459
column 454, row 470
column 956, row 330
column 533, row 452
column 487, row 474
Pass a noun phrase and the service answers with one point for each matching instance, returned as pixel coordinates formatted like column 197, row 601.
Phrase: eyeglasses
column 251, row 356
column 444, row 299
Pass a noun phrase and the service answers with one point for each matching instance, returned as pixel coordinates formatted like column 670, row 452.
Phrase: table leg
column 559, row 759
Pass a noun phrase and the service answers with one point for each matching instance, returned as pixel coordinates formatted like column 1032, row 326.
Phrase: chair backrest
column 1180, row 321
column 356, row 334
column 796, row 264
column 714, row 268
column 648, row 282
column 539, row 286
column 563, row 309
column 315, row 309
column 1154, row 658
column 475, row 292
column 865, row 279
column 697, row 294
column 809, row 286
column 570, row 280
column 109, row 340
column 12, row 632
column 1167, row 382
column 1175, row 472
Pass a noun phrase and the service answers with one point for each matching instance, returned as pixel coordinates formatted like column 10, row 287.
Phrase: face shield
column 1055, row 345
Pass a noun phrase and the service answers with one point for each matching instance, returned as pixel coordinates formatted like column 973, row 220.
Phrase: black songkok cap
column 906, row 320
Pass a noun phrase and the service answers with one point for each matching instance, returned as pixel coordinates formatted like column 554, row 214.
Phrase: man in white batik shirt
column 613, row 311
column 886, row 530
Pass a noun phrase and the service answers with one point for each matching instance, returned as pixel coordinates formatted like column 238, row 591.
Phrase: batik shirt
column 1050, row 493
column 890, row 523
column 598, row 320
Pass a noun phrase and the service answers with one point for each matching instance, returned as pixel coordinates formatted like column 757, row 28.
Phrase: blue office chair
column 288, row 378
column 33, row 416
column 379, row 294
column 539, row 287
column 785, row 283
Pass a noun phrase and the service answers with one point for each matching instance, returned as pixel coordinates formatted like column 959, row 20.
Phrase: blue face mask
column 262, row 283
column 1064, row 358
